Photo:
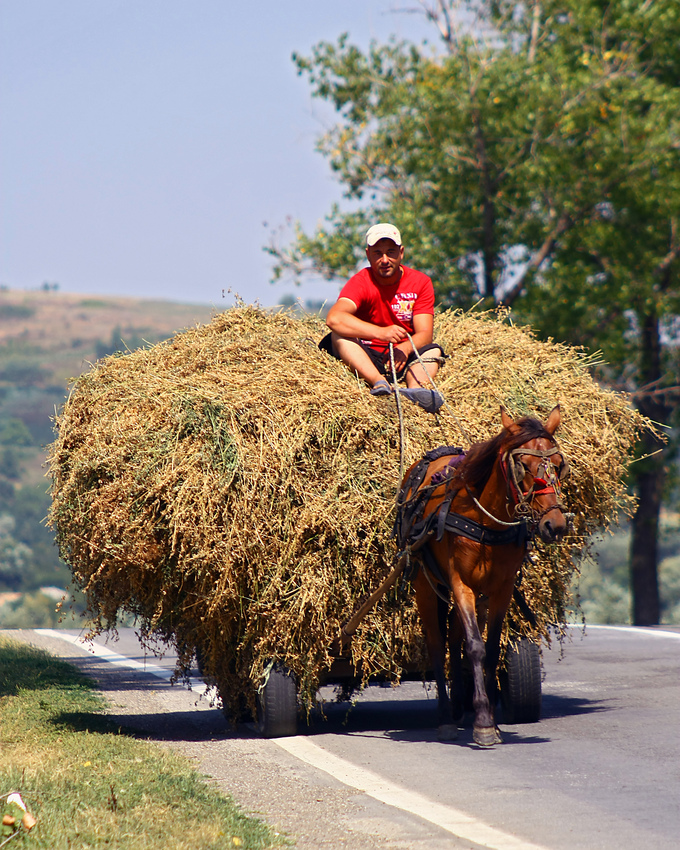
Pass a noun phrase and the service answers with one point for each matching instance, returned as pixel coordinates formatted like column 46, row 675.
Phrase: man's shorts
column 377, row 357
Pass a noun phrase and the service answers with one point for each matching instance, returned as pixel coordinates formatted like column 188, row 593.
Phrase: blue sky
column 144, row 143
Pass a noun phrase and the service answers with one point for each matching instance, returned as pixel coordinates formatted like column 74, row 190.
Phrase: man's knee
column 335, row 345
column 431, row 352
column 344, row 345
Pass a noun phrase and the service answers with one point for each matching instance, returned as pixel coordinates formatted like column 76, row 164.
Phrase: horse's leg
column 456, row 635
column 484, row 730
column 434, row 628
column 464, row 598
column 498, row 607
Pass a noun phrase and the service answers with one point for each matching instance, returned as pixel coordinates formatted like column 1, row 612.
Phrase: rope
column 491, row 516
column 401, row 418
column 434, row 386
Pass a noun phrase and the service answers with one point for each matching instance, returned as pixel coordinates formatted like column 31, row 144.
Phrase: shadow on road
column 559, row 706
column 409, row 720
column 172, row 726
column 400, row 720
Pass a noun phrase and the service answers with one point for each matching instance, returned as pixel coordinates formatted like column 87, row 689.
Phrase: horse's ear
column 552, row 423
column 508, row 422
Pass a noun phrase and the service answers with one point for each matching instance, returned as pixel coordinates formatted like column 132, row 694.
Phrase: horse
column 469, row 518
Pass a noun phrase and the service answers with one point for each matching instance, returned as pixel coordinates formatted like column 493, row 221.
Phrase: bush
column 669, row 588
column 9, row 464
column 13, row 432
column 601, row 598
column 15, row 557
column 15, row 311
column 23, row 372
column 32, row 611
column 122, row 341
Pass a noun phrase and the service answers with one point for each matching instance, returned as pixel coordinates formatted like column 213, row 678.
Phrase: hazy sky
column 144, row 143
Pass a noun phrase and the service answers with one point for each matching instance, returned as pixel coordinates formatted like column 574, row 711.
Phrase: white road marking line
column 635, row 630
column 456, row 822
column 121, row 660
column 452, row 820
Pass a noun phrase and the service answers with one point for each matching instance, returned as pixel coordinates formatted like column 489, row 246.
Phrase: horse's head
column 534, row 466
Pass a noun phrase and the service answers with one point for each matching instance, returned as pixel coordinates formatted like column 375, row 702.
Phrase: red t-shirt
column 395, row 304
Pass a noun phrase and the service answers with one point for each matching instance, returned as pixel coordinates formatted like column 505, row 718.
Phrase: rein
column 399, row 413
column 434, row 387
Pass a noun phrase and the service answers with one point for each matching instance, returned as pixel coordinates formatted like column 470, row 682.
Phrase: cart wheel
column 277, row 704
column 521, row 684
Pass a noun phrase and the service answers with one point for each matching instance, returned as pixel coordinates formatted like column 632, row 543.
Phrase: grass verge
column 91, row 786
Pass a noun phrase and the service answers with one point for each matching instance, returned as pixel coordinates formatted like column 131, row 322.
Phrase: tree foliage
column 488, row 154
column 533, row 161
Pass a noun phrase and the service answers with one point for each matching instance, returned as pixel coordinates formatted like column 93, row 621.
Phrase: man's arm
column 343, row 321
column 423, row 330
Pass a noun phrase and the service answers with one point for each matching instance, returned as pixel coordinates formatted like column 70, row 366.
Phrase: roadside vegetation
column 47, row 338
column 91, row 784
column 603, row 586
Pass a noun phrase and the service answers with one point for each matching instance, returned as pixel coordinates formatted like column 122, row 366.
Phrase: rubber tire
column 521, row 684
column 277, row 704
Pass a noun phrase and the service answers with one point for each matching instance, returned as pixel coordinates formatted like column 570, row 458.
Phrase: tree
column 15, row 557
column 535, row 165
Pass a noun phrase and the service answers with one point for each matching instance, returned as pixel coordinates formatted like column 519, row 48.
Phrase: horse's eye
column 520, row 470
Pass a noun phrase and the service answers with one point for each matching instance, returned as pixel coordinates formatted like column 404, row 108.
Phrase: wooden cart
column 277, row 701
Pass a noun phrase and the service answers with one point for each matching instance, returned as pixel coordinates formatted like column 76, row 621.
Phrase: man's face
column 385, row 259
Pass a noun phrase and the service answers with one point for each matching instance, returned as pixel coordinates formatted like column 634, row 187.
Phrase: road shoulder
column 311, row 808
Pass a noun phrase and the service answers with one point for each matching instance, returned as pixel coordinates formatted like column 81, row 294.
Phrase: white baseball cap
column 382, row 231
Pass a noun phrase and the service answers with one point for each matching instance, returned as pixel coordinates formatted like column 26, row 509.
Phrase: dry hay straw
column 233, row 487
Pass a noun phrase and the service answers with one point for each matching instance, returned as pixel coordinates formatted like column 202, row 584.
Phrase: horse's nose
column 552, row 531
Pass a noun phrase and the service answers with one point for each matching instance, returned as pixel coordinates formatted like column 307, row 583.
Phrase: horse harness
column 413, row 530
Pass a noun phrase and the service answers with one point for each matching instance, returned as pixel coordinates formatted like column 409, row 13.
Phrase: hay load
column 233, row 487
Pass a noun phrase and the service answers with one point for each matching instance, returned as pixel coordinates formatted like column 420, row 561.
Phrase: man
column 383, row 304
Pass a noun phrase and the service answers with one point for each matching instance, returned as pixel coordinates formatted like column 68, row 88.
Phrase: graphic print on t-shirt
column 402, row 306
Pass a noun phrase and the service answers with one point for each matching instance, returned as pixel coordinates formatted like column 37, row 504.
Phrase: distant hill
column 46, row 339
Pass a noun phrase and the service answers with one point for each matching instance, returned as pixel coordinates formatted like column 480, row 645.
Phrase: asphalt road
column 600, row 771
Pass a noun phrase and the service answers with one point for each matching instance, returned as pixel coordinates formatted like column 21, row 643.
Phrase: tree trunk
column 643, row 547
column 650, row 476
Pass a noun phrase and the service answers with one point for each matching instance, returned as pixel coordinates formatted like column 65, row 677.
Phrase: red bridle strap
column 545, row 487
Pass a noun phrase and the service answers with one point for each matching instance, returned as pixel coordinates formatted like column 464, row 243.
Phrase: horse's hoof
column 447, row 732
column 486, row 736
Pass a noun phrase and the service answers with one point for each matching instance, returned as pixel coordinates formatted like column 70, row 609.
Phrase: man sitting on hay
column 387, row 307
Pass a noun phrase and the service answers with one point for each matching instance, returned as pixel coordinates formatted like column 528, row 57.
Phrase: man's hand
column 392, row 333
column 400, row 358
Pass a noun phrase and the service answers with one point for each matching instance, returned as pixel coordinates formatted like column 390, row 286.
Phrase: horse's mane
column 476, row 468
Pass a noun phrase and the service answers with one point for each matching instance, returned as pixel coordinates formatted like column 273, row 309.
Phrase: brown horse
column 470, row 517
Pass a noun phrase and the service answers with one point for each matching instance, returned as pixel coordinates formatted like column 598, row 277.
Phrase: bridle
column 546, row 480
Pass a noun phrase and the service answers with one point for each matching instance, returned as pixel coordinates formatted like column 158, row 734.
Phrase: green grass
column 92, row 786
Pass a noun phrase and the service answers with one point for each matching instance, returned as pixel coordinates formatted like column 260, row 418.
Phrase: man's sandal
column 381, row 388
column 429, row 400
